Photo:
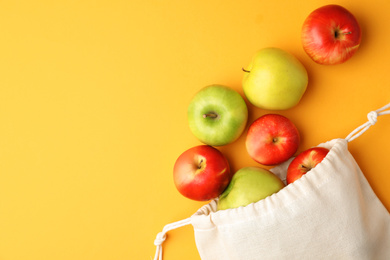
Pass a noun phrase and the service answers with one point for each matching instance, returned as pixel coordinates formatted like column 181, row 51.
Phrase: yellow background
column 93, row 100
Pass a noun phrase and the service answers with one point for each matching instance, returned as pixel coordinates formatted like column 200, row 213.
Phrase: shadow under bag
column 329, row 213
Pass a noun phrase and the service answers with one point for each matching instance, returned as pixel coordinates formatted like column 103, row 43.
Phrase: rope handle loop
column 160, row 238
column 372, row 119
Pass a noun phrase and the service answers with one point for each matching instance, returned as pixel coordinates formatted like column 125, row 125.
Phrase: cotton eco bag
column 329, row 213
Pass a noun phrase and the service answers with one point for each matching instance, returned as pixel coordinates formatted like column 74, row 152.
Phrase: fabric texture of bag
column 329, row 213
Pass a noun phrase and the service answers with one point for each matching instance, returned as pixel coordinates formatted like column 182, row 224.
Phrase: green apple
column 217, row 115
column 274, row 80
column 248, row 185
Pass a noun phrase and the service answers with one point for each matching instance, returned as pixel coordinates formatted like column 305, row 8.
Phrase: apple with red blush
column 331, row 35
column 201, row 173
column 304, row 162
column 272, row 139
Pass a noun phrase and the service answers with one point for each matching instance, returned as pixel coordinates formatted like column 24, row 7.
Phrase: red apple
column 331, row 35
column 272, row 139
column 201, row 173
column 304, row 162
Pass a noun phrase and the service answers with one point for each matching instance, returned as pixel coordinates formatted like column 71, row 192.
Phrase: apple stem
column 211, row 115
column 244, row 70
column 200, row 164
column 337, row 33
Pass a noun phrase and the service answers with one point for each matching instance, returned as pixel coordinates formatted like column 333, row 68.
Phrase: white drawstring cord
column 160, row 238
column 372, row 118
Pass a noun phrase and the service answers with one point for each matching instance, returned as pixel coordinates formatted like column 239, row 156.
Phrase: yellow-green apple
column 248, row 185
column 274, row 80
column 201, row 173
column 272, row 139
column 304, row 162
column 330, row 35
column 217, row 115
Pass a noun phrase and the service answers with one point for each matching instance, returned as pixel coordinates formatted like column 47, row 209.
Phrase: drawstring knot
column 372, row 118
column 160, row 238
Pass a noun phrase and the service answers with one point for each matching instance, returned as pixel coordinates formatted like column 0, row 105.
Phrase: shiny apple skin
column 217, row 115
column 274, row 80
column 249, row 185
column 331, row 35
column 272, row 139
column 304, row 162
column 201, row 173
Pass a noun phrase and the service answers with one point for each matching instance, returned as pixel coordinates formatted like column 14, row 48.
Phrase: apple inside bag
column 330, row 212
